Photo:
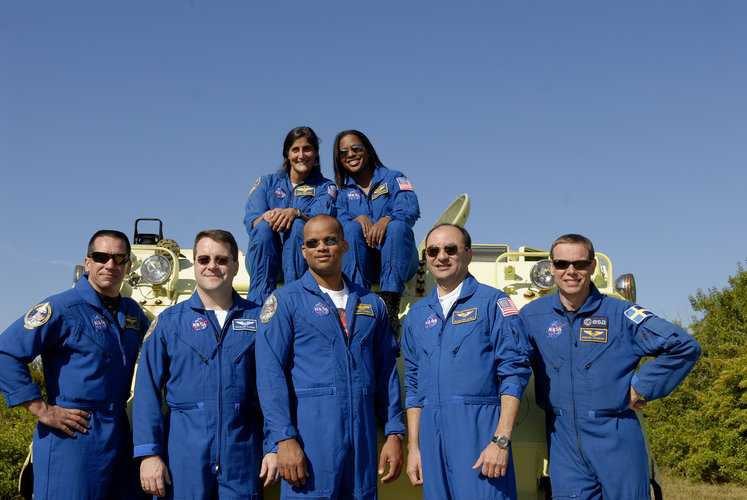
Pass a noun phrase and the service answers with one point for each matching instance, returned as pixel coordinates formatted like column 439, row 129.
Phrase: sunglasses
column 577, row 264
column 356, row 149
column 204, row 260
column 103, row 257
column 330, row 241
column 434, row 251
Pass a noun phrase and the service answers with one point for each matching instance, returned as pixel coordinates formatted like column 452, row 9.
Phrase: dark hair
column 119, row 235
column 222, row 236
column 574, row 238
column 372, row 159
column 466, row 238
column 292, row 137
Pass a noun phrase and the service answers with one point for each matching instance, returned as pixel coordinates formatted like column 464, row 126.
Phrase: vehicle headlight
column 156, row 269
column 540, row 275
column 625, row 286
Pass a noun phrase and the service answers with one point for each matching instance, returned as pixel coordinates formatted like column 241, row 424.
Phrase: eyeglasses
column 577, row 264
column 204, row 260
column 330, row 241
column 434, row 251
column 120, row 259
column 355, row 149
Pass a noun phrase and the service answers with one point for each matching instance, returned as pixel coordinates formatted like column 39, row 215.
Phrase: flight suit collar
column 469, row 287
column 314, row 178
column 593, row 301
column 195, row 302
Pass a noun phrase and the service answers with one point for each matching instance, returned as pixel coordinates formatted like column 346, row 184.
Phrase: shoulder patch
column 507, row 306
column 332, row 191
column 383, row 189
column 269, row 309
column 255, row 186
column 364, row 309
column 464, row 316
column 132, row 323
column 636, row 313
column 304, row 190
column 37, row 316
column 245, row 324
column 151, row 328
column 404, row 184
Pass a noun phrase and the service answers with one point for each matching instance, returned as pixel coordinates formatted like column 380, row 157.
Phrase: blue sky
column 624, row 121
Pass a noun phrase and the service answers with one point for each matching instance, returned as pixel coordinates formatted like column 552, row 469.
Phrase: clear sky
column 624, row 121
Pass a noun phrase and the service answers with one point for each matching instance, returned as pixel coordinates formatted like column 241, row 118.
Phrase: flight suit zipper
column 571, row 343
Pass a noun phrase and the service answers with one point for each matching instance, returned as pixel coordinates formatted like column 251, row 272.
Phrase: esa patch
column 595, row 322
column 37, row 316
column 593, row 335
column 431, row 321
column 321, row 309
column 269, row 309
column 354, row 195
column 555, row 329
column 199, row 324
column 98, row 322
column 304, row 190
column 245, row 324
column 636, row 313
column 464, row 316
column 132, row 323
column 332, row 191
column 507, row 307
column 279, row 193
column 151, row 328
column 383, row 189
column 404, row 184
column 255, row 186
column 364, row 309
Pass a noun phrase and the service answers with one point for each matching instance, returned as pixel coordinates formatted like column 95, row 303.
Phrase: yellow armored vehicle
column 162, row 276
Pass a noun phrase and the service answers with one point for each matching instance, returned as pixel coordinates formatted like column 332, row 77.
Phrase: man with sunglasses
column 585, row 350
column 465, row 374
column 88, row 338
column 201, row 353
column 326, row 367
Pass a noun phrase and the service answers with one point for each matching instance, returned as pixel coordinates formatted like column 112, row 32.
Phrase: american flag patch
column 404, row 184
column 507, row 307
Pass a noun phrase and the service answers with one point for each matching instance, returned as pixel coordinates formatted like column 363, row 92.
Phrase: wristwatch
column 502, row 441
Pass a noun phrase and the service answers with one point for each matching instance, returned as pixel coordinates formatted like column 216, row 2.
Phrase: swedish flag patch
column 636, row 313
column 364, row 309
column 464, row 316
column 383, row 189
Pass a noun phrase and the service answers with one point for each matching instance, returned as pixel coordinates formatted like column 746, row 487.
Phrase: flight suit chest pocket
column 467, row 333
column 91, row 340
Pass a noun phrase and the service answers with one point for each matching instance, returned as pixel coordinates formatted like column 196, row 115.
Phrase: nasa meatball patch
column 555, row 329
column 594, row 329
column 98, row 322
column 199, row 324
column 37, row 316
column 279, row 193
column 431, row 321
column 321, row 309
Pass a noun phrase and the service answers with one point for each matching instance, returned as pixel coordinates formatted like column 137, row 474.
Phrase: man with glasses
column 585, row 350
column 465, row 374
column 88, row 338
column 326, row 367
column 200, row 352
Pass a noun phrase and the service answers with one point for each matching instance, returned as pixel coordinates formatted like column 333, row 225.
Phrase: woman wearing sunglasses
column 378, row 208
column 279, row 205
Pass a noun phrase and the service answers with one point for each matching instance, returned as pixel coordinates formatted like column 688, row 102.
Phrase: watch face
column 502, row 441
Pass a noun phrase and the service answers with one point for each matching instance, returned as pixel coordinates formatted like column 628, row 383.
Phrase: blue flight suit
column 88, row 357
column 268, row 250
column 584, row 365
column 457, row 366
column 390, row 194
column 325, row 389
column 212, row 437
